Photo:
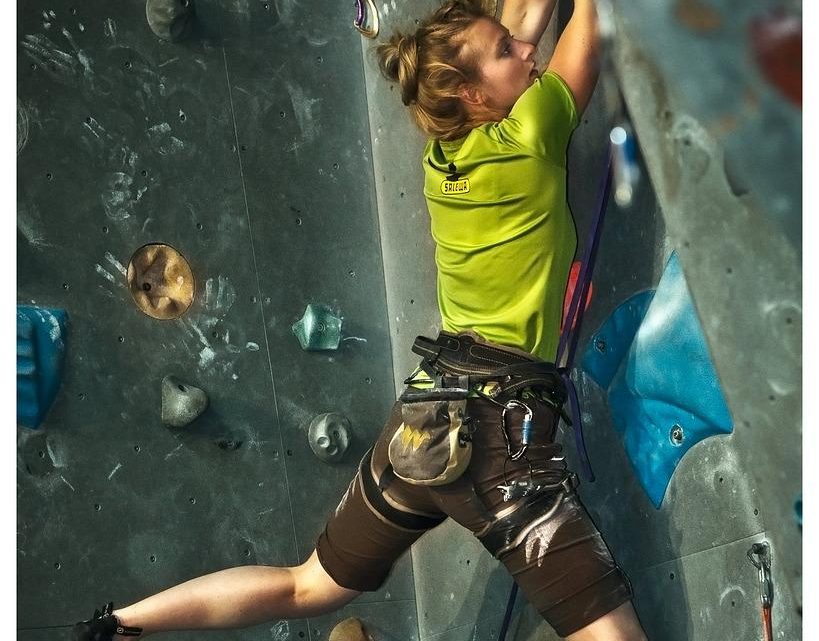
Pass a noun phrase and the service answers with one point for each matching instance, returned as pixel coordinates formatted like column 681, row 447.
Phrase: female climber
column 472, row 435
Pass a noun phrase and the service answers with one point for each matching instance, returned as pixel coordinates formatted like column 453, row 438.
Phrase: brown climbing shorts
column 547, row 541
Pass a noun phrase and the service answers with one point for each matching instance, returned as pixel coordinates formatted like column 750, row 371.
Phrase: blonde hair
column 431, row 65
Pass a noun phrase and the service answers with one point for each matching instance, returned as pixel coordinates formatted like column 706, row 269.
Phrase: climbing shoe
column 102, row 627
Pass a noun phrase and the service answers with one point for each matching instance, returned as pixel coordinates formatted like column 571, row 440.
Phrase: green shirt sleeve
column 543, row 119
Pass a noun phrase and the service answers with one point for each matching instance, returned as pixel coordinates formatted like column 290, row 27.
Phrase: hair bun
column 398, row 61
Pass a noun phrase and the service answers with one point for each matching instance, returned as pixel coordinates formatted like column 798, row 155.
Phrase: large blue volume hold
column 664, row 393
column 40, row 353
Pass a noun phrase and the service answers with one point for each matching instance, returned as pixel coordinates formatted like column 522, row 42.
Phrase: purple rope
column 567, row 345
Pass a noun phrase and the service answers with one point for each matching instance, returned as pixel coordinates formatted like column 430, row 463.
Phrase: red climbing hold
column 574, row 274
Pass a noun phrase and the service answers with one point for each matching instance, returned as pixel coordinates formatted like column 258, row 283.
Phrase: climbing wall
column 246, row 148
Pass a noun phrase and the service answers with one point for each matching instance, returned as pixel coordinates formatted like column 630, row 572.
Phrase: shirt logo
column 450, row 187
column 454, row 184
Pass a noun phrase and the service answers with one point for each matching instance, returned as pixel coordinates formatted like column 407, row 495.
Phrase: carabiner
column 526, row 430
column 361, row 17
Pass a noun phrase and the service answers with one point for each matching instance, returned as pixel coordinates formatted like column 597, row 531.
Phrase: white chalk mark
column 117, row 201
column 67, row 483
column 307, row 112
column 252, row 347
column 354, row 338
column 101, row 271
column 52, row 14
column 110, row 258
column 173, row 452
column 281, row 631
column 110, row 29
column 81, row 26
column 167, row 62
column 728, row 590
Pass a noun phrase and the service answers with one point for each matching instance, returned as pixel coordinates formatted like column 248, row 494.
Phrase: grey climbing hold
column 181, row 403
column 318, row 329
column 170, row 19
column 329, row 436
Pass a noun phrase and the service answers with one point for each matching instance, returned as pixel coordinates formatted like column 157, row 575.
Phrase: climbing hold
column 329, row 436
column 319, row 328
column 161, row 281
column 170, row 19
column 349, row 630
column 663, row 391
column 40, row 353
column 181, row 403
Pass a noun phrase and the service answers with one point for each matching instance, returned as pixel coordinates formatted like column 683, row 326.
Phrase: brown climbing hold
column 776, row 41
column 349, row 630
column 161, row 281
column 698, row 16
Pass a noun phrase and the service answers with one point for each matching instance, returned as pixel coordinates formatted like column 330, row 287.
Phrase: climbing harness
column 361, row 18
column 760, row 555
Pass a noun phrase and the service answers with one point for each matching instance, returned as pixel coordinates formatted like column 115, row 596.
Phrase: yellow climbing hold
column 349, row 630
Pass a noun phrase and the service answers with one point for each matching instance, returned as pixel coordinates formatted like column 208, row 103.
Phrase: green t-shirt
column 504, row 233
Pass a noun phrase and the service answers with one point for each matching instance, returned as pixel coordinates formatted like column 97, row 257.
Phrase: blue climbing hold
column 663, row 392
column 40, row 352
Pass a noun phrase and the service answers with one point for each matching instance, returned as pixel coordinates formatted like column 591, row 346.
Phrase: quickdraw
column 760, row 556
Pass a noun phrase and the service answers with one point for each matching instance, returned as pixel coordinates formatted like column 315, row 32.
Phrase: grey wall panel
column 133, row 140
column 710, row 595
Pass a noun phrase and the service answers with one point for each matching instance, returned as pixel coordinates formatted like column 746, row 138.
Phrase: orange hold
column 776, row 41
column 574, row 274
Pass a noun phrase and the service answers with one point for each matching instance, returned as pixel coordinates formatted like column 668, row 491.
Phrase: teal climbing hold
column 318, row 329
column 40, row 354
column 663, row 390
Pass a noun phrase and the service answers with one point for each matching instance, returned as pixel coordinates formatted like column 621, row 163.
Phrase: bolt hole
column 137, row 448
column 319, row 59
column 368, row 380
column 351, row 273
column 789, row 321
column 412, row 301
column 105, row 229
column 58, row 565
column 128, row 64
column 289, row 452
column 183, row 117
column 282, row 114
column 266, row 6
column 41, row 454
column 73, row 11
column 401, row 195
column 88, row 120
column 267, row 300
column 49, row 176
column 66, row 286
column 301, row 634
column 33, row 67
column 121, row 339
column 97, row 507
column 153, row 558
column 247, row 552
column 81, row 396
column 182, row 388
column 144, row 172
column 243, row 147
column 192, row 500
column 733, row 604
column 146, row 287
column 686, row 244
column 721, row 479
column 299, row 221
column 253, row 299
column 335, row 165
column 671, row 576
column 756, row 512
column 772, row 398
column 215, row 334
column 728, row 270
column 200, row 226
